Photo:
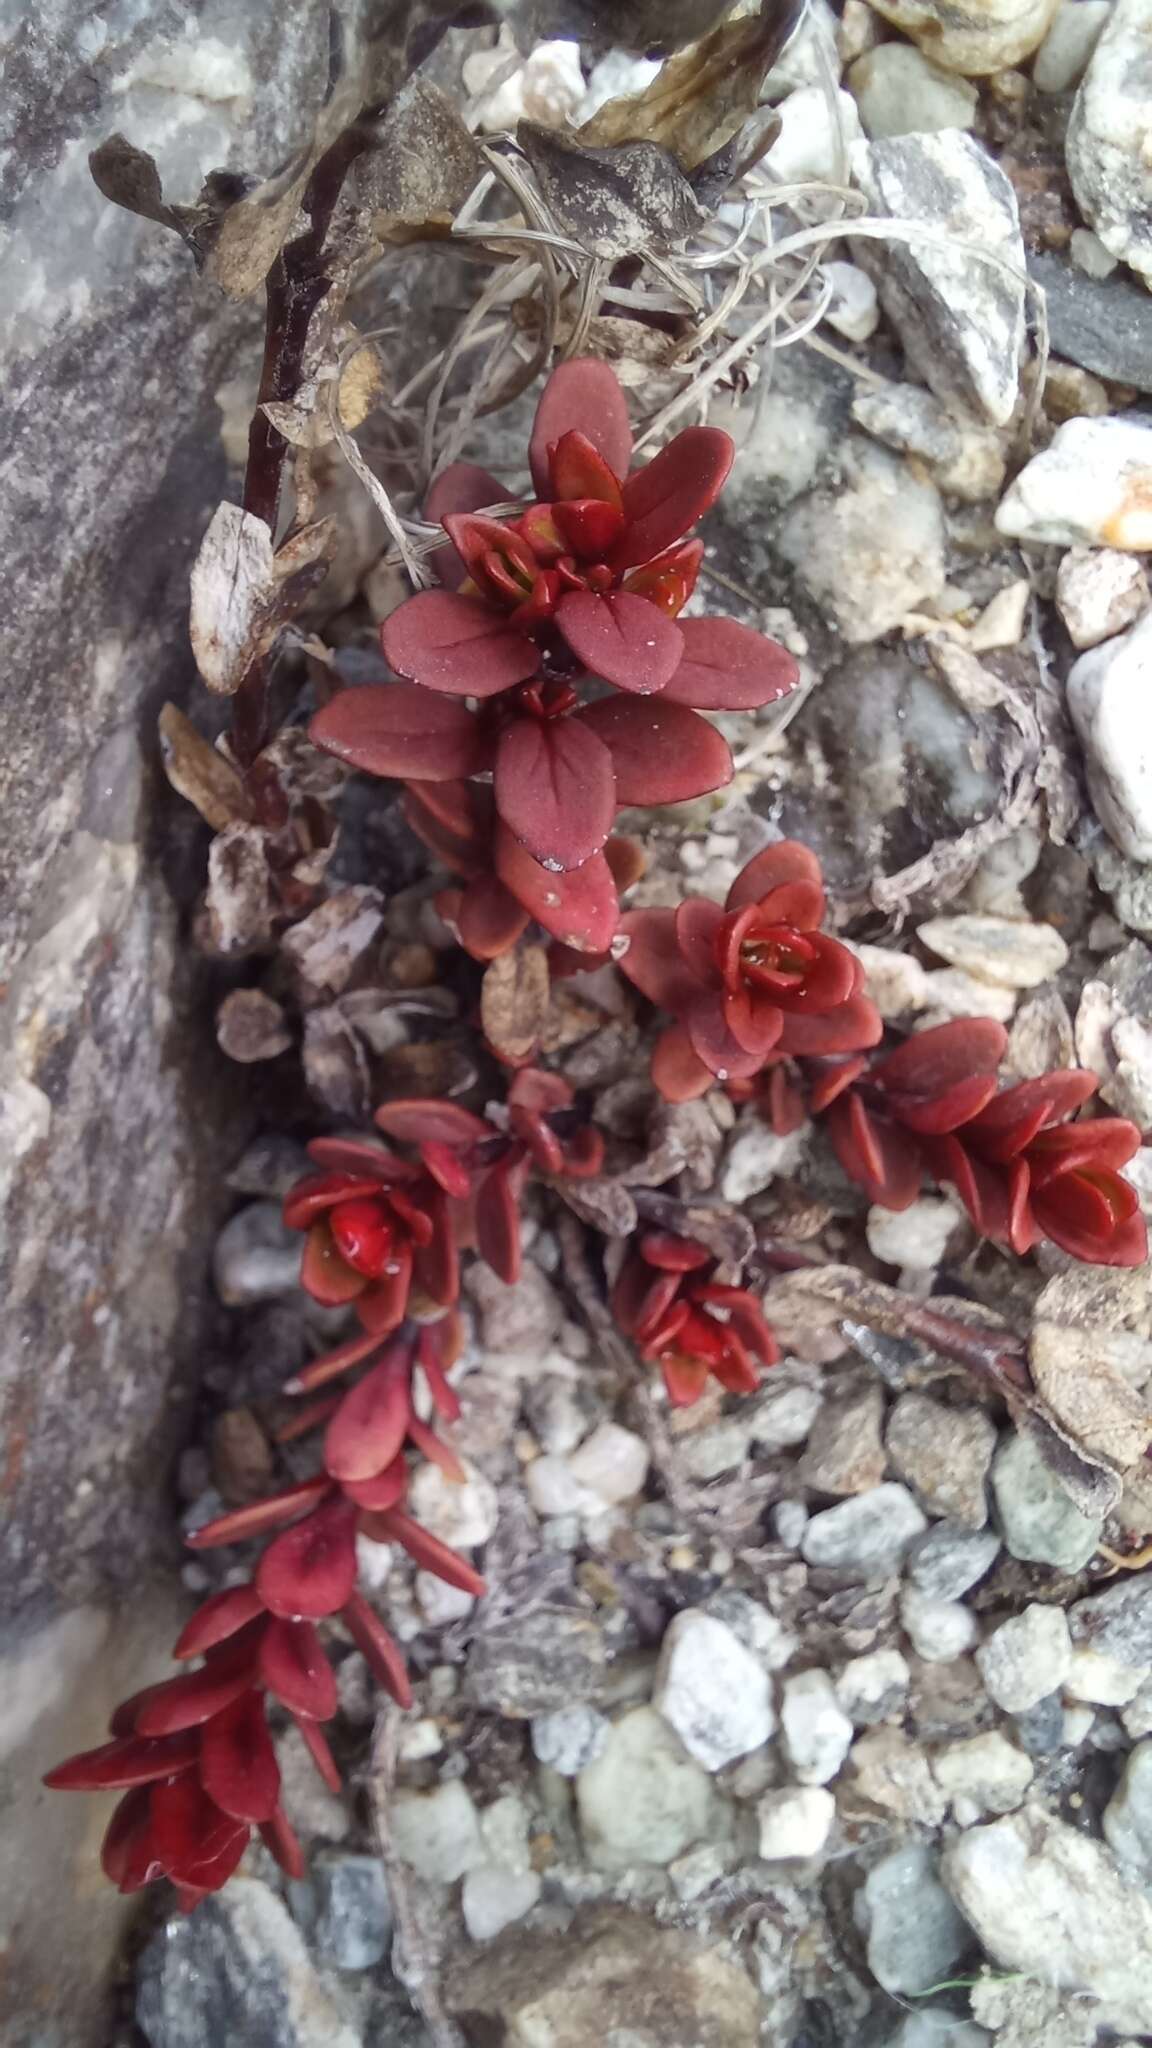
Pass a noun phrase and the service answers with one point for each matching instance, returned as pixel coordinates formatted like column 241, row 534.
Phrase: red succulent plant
column 1023, row 1168
column 691, row 1325
column 755, row 979
column 590, row 578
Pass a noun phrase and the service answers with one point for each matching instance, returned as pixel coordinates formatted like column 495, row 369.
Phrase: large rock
column 613, row 1978
column 1047, row 1900
column 113, row 1121
column 236, row 1969
column 959, row 317
column 1107, row 143
column 973, row 36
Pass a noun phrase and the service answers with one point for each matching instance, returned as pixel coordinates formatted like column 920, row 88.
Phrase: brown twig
column 416, row 1961
column 297, row 284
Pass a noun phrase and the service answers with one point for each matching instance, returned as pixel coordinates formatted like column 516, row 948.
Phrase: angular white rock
column 612, row 1463
column 461, row 1515
column 960, row 318
column 1106, row 147
column 899, row 92
column 1062, row 58
column 1026, row 1658
column 1128, row 1814
column 492, row 1898
column 437, row 1833
column 1099, row 592
column 1045, row 1899
column 1091, row 486
column 712, row 1690
column 817, row 1732
column 1001, row 950
column 938, row 1630
column 569, row 1738
column 795, row 1823
column 1110, row 702
column 440, row 1603
column 855, row 309
column 757, row 1156
column 913, row 1237
column 815, row 137
column 874, row 1687
column 986, row 1774
column 949, row 992
column 980, row 36
column 643, row 1800
column 865, row 1537
column 894, row 980
column 872, row 550
column 1101, row 1680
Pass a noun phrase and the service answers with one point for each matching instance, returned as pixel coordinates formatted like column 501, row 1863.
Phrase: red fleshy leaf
column 331, row 1364
column 436, row 1451
column 294, row 1667
column 853, row 1027
column 947, row 1111
column 462, row 487
column 699, row 923
column 416, row 1121
column 584, row 396
column 555, row 788
column 677, row 1070
column 400, row 730
column 437, row 1270
column 589, row 526
column 380, row 1651
column 580, row 907
column 828, row 982
column 685, row 1379
column 653, row 961
column 383, row 1307
column 489, row 920
column 754, row 1023
column 737, row 1370
column 673, row 491
column 746, row 1318
column 669, row 580
column 622, row 638
column 716, row 1044
column 661, row 752
column 485, row 544
column 194, row 1696
column 881, row 1157
column 583, row 1154
column 787, row 861
column 127, row 1843
column 311, row 1415
column 238, row 1767
column 729, row 667
column 197, row 1844
column 538, row 1136
column 324, row 1273
column 124, row 1714
column 313, row 1196
column 579, row 475
column 457, row 645
column 673, row 1254
column 639, row 1294
column 782, row 1102
column 439, row 1348
column 432, row 1555
column 221, row 1616
column 385, row 1490
column 983, row 1189
column 932, row 1061
column 280, row 1838
column 273, row 1513
column 627, row 860
column 361, row 1156
column 368, row 1429
column 1013, row 1118
column 1107, row 1142
column 117, row 1766
column 446, row 1167
column 498, row 1223
column 538, row 1090
column 320, row 1752
column 311, row 1568
column 825, row 1084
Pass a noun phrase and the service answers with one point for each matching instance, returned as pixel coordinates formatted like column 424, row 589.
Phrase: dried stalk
column 416, row 1963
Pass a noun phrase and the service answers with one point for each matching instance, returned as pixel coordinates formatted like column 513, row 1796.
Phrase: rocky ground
column 822, row 1716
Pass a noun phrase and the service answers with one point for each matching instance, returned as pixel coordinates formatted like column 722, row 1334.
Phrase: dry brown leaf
column 514, row 1002
column 241, row 1457
column 251, row 1026
column 326, row 947
column 422, row 169
column 335, row 1066
column 198, row 772
column 239, row 894
column 243, row 592
column 699, row 100
column 605, row 1204
column 614, row 202
column 1088, row 1395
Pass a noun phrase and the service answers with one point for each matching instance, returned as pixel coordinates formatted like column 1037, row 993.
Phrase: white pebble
column 938, row 1630
column 817, row 1732
column 1062, row 58
column 1002, row 950
column 1092, row 484
column 1110, row 702
column 1102, row 1681
column 569, row 1738
column 795, row 1823
column 1027, row 1658
column 493, row 1898
column 950, row 992
column 712, row 1690
column 1098, row 593
column 914, row 1237
column 612, row 1463
column 437, row 1833
column 855, row 309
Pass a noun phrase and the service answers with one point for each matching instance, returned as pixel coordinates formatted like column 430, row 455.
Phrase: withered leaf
column 726, row 1234
column 335, row 1066
column 243, row 592
column 239, row 894
column 514, row 1002
column 605, row 1204
column 251, row 1026
column 241, row 1457
column 423, row 167
column 326, row 947
column 198, row 772
column 129, row 178
column 612, row 201
column 1087, row 1395
column 700, row 99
